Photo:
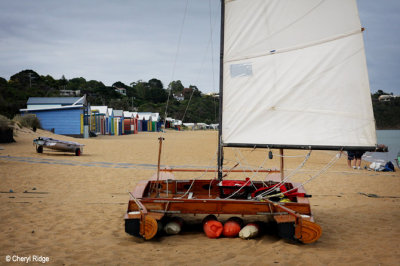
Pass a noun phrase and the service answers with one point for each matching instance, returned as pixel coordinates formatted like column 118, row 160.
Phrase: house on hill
column 387, row 97
column 62, row 115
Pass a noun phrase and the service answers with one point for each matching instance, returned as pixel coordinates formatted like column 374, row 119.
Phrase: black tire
column 77, row 152
column 39, row 149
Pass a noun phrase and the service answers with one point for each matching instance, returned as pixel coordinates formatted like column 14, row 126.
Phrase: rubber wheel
column 39, row 149
column 150, row 228
column 310, row 232
column 77, row 152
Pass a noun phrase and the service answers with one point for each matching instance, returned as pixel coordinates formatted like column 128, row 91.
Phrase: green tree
column 156, row 93
column 62, row 83
column 76, row 84
column 176, row 86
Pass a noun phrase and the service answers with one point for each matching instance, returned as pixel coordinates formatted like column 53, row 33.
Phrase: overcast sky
column 127, row 41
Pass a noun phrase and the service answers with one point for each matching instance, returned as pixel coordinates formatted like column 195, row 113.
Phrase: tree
column 76, row 84
column 63, row 82
column 156, row 93
column 120, row 84
column 192, row 91
column 94, row 85
column 24, row 78
column 176, row 86
column 156, row 83
column 142, row 89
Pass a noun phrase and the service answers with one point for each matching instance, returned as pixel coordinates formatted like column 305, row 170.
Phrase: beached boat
column 292, row 76
column 58, row 145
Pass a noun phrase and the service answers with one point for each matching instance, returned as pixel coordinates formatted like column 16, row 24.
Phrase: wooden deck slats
column 202, row 203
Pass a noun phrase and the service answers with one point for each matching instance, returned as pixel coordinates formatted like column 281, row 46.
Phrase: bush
column 28, row 120
column 5, row 123
column 6, row 130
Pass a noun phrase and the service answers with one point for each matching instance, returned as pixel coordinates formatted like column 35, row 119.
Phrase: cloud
column 126, row 41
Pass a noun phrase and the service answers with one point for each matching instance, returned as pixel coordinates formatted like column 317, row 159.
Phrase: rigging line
column 175, row 60
column 248, row 165
column 239, row 161
column 250, row 179
column 212, row 65
column 210, row 44
column 288, row 176
column 204, row 173
column 323, row 170
column 232, row 168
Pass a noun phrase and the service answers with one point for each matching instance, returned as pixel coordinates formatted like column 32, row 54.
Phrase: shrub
column 28, row 120
column 6, row 130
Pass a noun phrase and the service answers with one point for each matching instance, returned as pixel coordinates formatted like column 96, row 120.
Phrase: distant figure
column 350, row 157
column 356, row 156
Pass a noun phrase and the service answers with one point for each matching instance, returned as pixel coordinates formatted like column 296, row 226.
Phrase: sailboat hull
column 58, row 145
column 164, row 198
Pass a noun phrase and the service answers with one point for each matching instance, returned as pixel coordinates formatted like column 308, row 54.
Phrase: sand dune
column 71, row 208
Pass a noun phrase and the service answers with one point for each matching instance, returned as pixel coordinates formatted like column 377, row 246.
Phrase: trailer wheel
column 78, row 152
column 39, row 149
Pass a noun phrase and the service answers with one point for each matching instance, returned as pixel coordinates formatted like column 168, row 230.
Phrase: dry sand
column 72, row 211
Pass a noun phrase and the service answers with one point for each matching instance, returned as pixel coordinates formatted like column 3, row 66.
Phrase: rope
column 204, row 173
column 175, row 60
column 323, row 170
column 210, row 44
column 250, row 179
column 275, row 186
column 288, row 176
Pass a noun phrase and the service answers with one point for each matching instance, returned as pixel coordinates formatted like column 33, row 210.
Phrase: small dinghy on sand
column 58, row 145
column 293, row 75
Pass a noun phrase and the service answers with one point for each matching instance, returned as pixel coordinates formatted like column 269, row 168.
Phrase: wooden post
column 282, row 164
column 160, row 139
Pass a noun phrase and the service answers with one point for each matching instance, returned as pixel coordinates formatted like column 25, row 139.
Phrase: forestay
column 295, row 75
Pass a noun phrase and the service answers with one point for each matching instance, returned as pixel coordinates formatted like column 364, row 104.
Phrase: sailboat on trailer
column 293, row 75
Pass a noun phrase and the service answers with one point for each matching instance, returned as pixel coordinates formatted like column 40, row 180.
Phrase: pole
column 160, row 139
column 221, row 83
column 282, row 164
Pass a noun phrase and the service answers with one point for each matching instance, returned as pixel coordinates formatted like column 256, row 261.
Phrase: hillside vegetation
column 149, row 96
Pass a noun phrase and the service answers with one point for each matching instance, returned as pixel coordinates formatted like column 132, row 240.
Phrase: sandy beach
column 70, row 209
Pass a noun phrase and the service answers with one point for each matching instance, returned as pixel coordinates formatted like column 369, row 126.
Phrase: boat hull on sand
column 58, row 145
column 152, row 201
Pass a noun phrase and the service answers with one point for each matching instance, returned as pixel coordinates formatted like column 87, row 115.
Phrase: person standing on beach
column 357, row 163
column 350, row 158
column 356, row 156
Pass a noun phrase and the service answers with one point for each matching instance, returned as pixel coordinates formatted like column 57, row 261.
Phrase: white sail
column 295, row 74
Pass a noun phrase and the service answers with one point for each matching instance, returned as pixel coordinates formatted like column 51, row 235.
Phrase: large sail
column 295, row 75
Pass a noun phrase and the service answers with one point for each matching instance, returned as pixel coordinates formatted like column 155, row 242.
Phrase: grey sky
column 134, row 40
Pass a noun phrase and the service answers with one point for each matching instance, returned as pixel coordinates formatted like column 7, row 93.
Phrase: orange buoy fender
column 232, row 227
column 212, row 227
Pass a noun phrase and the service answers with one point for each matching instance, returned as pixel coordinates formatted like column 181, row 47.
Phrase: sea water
column 390, row 138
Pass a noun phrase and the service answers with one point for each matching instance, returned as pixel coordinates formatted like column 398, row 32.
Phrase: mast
column 221, row 82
